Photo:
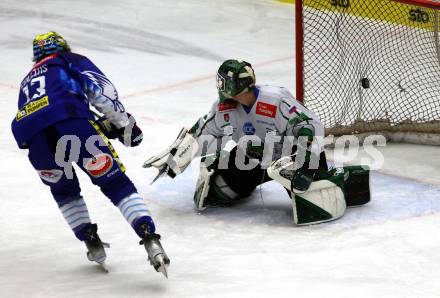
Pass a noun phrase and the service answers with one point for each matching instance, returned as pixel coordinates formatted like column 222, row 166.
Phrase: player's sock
column 77, row 216
column 135, row 211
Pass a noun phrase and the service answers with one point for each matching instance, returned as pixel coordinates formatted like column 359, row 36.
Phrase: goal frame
column 299, row 47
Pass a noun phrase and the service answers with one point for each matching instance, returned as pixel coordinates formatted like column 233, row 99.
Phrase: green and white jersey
column 275, row 111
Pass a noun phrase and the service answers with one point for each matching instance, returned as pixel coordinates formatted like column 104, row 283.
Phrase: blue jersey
column 60, row 87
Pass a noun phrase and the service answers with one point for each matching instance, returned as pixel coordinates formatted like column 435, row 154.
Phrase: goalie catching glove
column 130, row 135
column 176, row 158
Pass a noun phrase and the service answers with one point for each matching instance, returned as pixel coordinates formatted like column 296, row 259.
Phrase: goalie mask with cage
column 48, row 43
column 234, row 77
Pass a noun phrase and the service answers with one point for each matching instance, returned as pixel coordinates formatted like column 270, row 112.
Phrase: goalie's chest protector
column 258, row 120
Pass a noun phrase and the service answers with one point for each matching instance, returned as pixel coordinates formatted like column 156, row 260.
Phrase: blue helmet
column 48, row 43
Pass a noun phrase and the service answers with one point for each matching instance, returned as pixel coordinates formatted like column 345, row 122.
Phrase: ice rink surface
column 162, row 56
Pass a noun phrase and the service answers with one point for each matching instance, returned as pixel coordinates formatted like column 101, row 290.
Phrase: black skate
column 156, row 254
column 95, row 247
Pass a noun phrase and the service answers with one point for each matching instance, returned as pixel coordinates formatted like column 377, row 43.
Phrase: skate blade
column 98, row 259
column 163, row 265
column 163, row 269
column 104, row 267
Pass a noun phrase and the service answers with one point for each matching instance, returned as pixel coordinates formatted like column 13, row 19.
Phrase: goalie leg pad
column 212, row 190
column 357, row 185
column 323, row 201
column 202, row 187
column 221, row 193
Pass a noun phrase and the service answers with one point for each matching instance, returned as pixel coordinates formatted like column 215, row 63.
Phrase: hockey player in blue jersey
column 55, row 123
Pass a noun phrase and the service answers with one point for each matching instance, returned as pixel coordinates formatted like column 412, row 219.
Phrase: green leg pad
column 308, row 213
column 357, row 185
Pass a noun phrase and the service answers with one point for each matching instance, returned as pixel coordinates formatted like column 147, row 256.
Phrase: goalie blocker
column 176, row 158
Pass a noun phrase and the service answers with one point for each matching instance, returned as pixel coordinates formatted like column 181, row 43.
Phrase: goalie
column 254, row 134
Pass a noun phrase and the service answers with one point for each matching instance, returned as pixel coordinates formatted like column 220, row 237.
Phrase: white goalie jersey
column 275, row 113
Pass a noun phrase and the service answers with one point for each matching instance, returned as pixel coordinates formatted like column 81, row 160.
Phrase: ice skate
column 95, row 247
column 156, row 254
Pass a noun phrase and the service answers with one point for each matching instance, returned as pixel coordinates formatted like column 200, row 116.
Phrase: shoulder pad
column 271, row 94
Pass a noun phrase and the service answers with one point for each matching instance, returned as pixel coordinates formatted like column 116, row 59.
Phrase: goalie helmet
column 48, row 43
column 234, row 77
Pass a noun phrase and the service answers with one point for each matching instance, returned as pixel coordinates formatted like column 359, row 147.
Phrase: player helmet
column 48, row 43
column 234, row 77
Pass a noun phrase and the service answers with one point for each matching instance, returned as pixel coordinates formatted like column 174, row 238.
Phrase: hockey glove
column 107, row 128
column 131, row 135
column 285, row 172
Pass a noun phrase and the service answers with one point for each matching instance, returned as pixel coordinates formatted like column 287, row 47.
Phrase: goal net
column 370, row 66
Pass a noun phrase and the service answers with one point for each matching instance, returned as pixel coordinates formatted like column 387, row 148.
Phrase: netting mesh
column 371, row 65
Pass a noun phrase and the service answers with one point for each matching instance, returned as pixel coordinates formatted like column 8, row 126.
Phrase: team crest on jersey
column 266, row 109
column 227, row 106
column 99, row 164
column 226, row 117
column 248, row 129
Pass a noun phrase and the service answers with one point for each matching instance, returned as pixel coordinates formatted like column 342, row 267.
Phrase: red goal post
column 367, row 66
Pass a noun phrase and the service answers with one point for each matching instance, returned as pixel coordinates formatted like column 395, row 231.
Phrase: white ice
column 162, row 56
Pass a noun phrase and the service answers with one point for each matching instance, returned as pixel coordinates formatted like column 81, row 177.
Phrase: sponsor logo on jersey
column 112, row 173
column 109, row 145
column 227, row 106
column 51, row 176
column 248, row 128
column 226, row 117
column 266, row 109
column 32, row 107
column 99, row 164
